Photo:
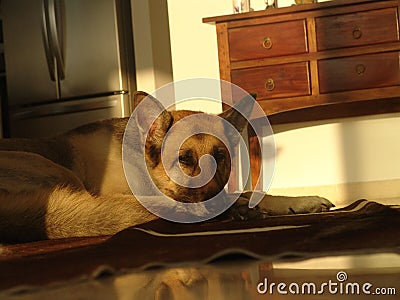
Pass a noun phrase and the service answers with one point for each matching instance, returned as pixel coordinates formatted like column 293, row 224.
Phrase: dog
column 74, row 184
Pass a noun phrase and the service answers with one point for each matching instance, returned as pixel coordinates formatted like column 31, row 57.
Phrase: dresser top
column 291, row 9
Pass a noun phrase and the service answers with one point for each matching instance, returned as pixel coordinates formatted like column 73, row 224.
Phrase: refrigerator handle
column 60, row 109
column 55, row 15
column 46, row 41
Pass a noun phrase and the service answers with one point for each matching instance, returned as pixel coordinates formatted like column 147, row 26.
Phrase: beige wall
column 324, row 158
column 311, row 155
column 152, row 45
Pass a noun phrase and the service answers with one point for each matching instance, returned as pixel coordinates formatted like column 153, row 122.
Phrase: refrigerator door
column 28, row 63
column 51, row 119
column 92, row 49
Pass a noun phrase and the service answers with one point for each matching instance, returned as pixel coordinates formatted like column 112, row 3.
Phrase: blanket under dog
column 362, row 227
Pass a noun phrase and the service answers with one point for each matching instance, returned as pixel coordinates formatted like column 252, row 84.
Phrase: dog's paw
column 240, row 211
column 274, row 206
column 280, row 205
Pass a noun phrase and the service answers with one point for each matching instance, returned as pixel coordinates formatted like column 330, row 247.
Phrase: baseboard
column 386, row 191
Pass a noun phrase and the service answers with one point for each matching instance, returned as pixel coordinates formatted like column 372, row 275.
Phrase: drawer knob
column 357, row 33
column 360, row 69
column 267, row 43
column 270, row 84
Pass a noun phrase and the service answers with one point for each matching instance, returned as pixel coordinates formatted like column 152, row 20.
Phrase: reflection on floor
column 239, row 278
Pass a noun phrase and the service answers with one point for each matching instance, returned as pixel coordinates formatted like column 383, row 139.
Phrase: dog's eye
column 219, row 155
column 187, row 159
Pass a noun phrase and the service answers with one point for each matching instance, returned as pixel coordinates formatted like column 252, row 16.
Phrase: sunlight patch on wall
column 346, row 150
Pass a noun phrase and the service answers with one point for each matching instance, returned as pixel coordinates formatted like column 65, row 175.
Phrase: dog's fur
column 74, row 184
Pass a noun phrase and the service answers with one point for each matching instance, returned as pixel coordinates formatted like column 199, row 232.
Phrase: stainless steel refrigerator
column 68, row 62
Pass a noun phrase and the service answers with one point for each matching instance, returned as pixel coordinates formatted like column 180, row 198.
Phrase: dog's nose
column 207, row 168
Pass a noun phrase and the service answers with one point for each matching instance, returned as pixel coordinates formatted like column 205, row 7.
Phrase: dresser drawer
column 275, row 81
column 268, row 40
column 356, row 29
column 359, row 72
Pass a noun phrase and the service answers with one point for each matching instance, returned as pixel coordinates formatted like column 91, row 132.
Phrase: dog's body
column 74, row 184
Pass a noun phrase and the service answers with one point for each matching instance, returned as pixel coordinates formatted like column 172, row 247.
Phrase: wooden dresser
column 313, row 61
column 315, row 54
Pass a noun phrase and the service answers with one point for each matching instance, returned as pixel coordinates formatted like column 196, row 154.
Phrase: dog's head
column 199, row 155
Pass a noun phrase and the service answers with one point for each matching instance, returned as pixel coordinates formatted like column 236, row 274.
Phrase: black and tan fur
column 74, row 184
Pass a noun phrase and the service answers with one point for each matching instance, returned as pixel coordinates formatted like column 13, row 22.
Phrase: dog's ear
column 138, row 96
column 153, row 119
column 238, row 115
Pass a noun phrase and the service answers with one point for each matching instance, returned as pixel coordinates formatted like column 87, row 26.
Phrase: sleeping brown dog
column 74, row 184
